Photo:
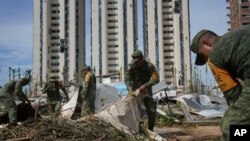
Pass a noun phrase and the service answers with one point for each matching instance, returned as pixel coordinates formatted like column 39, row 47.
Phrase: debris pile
column 91, row 128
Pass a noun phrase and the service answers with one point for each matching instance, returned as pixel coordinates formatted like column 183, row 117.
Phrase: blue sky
column 16, row 31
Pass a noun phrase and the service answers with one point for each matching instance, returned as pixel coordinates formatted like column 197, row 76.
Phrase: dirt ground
column 190, row 133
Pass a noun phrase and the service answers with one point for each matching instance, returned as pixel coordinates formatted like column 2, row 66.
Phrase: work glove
column 67, row 99
column 130, row 92
column 142, row 89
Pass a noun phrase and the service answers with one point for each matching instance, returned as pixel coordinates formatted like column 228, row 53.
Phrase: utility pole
column 13, row 74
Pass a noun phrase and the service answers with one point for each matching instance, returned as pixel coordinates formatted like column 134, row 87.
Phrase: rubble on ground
column 91, row 128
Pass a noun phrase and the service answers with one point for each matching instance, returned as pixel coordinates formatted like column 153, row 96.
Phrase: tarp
column 124, row 115
column 106, row 95
column 202, row 105
column 69, row 108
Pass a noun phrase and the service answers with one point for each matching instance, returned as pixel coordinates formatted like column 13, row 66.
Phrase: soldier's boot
column 150, row 127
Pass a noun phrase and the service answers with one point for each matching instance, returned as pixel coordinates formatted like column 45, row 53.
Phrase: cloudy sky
column 16, row 30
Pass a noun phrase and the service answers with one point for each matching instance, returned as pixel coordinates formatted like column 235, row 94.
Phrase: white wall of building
column 56, row 21
column 112, row 26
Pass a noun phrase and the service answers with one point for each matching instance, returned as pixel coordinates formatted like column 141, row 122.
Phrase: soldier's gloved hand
column 67, row 99
column 130, row 92
column 142, row 89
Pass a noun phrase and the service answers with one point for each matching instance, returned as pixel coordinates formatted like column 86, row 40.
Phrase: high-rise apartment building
column 239, row 13
column 167, row 39
column 113, row 35
column 59, row 41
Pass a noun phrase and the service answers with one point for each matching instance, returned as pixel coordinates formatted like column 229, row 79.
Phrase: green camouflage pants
column 238, row 113
column 11, row 108
column 150, row 105
column 54, row 108
column 88, row 106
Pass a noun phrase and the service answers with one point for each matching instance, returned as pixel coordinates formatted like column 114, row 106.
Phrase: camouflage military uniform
column 88, row 94
column 136, row 77
column 7, row 96
column 53, row 96
column 230, row 59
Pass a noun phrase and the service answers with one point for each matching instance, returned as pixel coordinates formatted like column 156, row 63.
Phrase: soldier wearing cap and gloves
column 88, row 92
column 7, row 96
column 52, row 88
column 142, row 75
column 228, row 57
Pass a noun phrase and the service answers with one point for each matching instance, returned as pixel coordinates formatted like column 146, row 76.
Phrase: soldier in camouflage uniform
column 54, row 98
column 7, row 96
column 228, row 57
column 142, row 75
column 88, row 92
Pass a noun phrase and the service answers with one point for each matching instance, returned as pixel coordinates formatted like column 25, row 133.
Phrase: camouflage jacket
column 53, row 91
column 231, row 54
column 13, row 88
column 89, row 85
column 136, row 77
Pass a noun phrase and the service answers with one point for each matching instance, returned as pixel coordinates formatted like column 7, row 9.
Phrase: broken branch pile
column 91, row 128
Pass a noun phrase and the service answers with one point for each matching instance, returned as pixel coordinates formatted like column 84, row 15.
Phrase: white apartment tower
column 113, row 36
column 59, row 41
column 167, row 39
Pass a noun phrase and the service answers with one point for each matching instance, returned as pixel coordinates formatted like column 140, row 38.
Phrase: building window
column 55, row 37
column 168, row 25
column 55, row 71
column 55, row 18
column 55, row 57
column 168, row 76
column 112, row 8
column 113, row 33
column 113, row 52
column 54, row 51
column 54, row 24
column 168, row 44
column 168, row 19
column 112, row 46
column 113, row 65
column 112, row 27
column 168, row 57
column 167, row 38
column 112, row 39
column 112, row 58
column 112, row 15
column 112, row 21
column 113, row 2
column 55, row 44
column 55, row 5
column 168, row 50
column 55, row 64
column 167, row 32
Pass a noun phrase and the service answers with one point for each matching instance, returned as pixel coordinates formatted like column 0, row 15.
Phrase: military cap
column 26, row 79
column 136, row 55
column 86, row 67
column 195, row 46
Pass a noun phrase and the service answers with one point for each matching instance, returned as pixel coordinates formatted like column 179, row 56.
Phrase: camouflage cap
column 26, row 80
column 136, row 55
column 195, row 45
column 85, row 67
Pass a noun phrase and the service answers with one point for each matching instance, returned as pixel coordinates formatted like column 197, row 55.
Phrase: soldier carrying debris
column 52, row 88
column 88, row 92
column 142, row 75
column 7, row 96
